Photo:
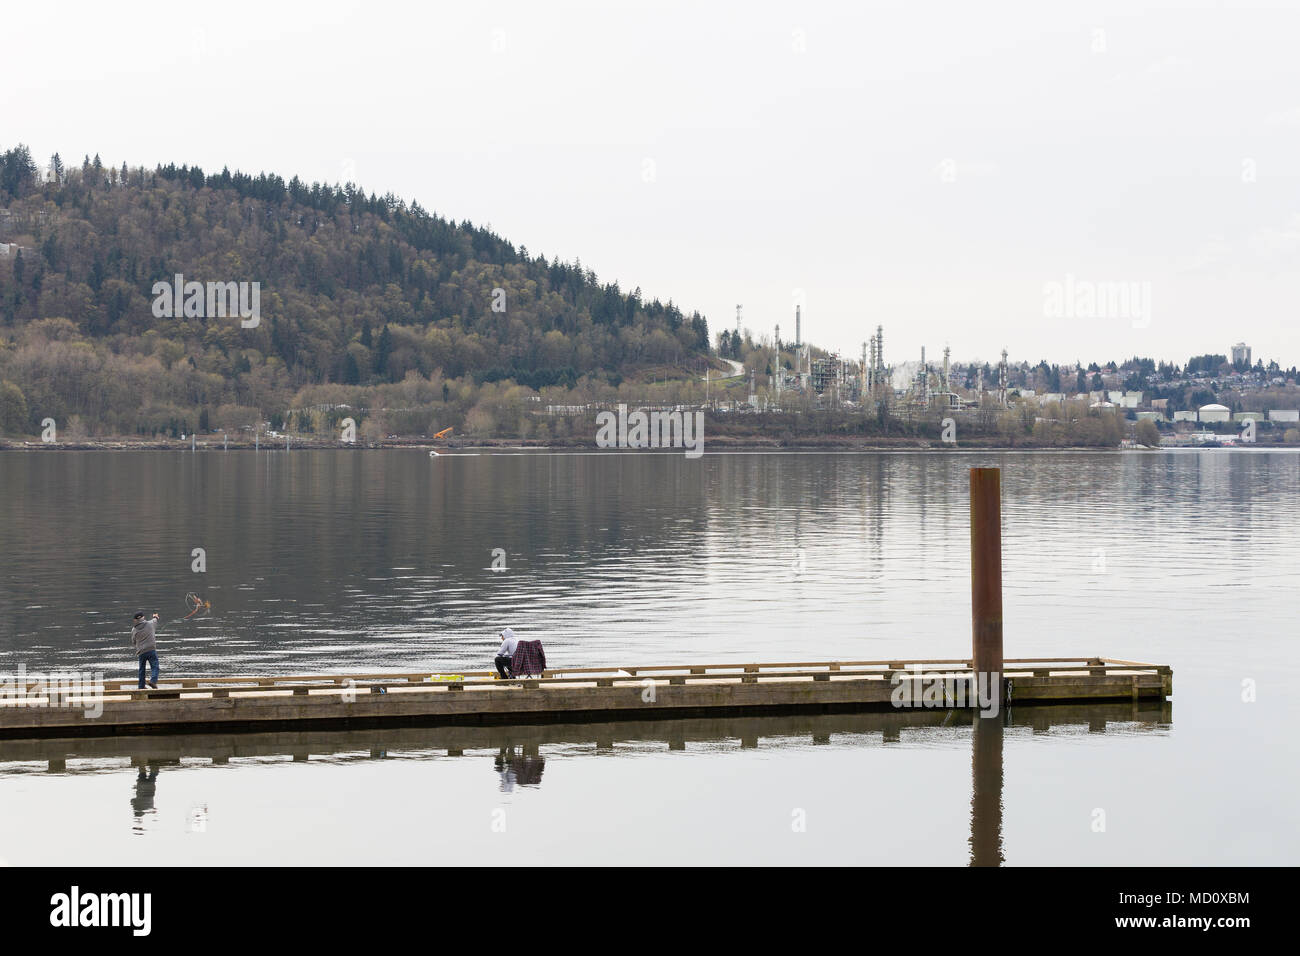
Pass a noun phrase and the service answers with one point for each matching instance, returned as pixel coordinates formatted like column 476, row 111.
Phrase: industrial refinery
column 831, row 379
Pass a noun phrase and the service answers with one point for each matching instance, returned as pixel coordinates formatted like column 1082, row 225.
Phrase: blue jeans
column 150, row 658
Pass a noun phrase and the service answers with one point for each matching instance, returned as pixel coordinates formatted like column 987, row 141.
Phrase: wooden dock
column 340, row 701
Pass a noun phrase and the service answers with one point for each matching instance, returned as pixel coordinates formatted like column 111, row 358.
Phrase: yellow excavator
column 442, row 434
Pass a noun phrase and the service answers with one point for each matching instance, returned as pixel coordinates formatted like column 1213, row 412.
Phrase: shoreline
column 503, row 444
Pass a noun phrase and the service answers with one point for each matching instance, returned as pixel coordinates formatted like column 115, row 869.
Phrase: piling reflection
column 986, row 791
column 519, row 754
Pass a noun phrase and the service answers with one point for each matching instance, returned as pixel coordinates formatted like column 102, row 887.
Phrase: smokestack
column 798, row 341
column 1002, row 379
column 872, row 378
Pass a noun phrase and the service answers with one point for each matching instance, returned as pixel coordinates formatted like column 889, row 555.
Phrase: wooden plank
column 581, row 677
column 423, row 676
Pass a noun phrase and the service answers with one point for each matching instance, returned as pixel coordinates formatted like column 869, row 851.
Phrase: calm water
column 334, row 561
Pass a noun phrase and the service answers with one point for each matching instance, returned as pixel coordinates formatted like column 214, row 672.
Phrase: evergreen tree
column 17, row 172
column 383, row 350
column 351, row 373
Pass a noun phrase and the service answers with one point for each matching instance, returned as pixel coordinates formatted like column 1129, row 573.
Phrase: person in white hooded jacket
column 506, row 652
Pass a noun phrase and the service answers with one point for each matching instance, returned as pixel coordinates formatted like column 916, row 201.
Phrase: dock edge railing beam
column 986, row 578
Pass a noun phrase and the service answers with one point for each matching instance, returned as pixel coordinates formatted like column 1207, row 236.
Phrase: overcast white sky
column 925, row 166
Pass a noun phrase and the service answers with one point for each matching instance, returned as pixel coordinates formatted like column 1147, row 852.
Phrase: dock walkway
column 324, row 701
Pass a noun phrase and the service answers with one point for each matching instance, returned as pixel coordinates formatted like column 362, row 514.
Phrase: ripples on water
column 326, row 561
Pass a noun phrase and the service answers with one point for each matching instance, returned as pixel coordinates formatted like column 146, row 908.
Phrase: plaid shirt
column 529, row 659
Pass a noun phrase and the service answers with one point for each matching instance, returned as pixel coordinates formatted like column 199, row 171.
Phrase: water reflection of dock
column 86, row 754
column 519, row 754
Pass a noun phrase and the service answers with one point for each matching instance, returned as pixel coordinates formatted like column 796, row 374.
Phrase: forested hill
column 355, row 290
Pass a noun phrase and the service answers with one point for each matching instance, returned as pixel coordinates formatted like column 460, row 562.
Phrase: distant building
column 1119, row 397
column 1243, row 416
column 1241, row 354
column 1151, row 416
column 1186, row 415
column 1214, row 413
column 1284, row 414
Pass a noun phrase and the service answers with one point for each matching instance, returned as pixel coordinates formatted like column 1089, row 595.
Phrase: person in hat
column 144, row 640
